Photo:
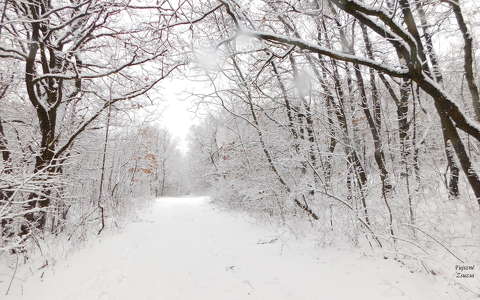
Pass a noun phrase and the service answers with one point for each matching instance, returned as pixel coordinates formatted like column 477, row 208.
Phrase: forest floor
column 185, row 248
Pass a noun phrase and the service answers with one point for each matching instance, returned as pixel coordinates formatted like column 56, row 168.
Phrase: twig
column 434, row 239
column 13, row 276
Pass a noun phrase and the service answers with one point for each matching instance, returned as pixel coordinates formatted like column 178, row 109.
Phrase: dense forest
column 360, row 116
column 357, row 121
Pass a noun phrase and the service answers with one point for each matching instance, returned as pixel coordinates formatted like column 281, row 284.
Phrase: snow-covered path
column 186, row 249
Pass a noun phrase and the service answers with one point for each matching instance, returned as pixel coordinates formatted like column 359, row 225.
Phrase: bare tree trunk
column 102, row 174
column 468, row 56
column 437, row 75
column 164, row 174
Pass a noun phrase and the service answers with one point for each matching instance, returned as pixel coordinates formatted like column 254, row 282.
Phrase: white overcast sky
column 178, row 115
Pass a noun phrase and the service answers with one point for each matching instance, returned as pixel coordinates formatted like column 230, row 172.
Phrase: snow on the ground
column 185, row 249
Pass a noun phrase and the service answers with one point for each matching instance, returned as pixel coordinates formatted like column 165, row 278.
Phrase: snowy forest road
column 185, row 248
